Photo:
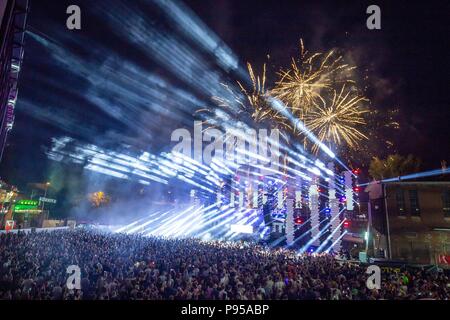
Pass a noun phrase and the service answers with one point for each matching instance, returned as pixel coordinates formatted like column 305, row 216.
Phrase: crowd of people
column 132, row 267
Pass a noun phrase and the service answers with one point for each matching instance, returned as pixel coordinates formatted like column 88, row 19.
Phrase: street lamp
column 47, row 184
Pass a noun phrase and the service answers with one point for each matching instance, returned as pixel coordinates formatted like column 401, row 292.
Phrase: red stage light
column 346, row 224
column 298, row 220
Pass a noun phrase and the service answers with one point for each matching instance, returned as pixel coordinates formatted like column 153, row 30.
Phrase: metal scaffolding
column 13, row 21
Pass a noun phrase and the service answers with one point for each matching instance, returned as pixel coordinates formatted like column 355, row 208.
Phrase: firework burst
column 303, row 85
column 337, row 121
column 253, row 100
column 319, row 90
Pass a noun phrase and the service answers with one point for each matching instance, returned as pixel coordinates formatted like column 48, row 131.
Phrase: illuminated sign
column 27, row 202
column 26, row 206
column 48, row 200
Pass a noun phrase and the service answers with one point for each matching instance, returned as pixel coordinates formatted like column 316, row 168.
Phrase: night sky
column 406, row 62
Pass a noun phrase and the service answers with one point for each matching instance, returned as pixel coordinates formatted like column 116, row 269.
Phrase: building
column 410, row 220
column 13, row 17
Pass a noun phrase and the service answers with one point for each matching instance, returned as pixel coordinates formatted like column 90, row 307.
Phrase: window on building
column 446, row 203
column 414, row 202
column 400, row 199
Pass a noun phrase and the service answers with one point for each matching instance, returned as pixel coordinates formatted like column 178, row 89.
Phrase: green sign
column 28, row 202
column 26, row 206
column 21, row 208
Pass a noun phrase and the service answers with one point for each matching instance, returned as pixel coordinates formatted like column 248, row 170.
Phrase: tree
column 394, row 165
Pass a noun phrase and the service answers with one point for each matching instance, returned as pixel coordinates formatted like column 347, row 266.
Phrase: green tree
column 394, row 165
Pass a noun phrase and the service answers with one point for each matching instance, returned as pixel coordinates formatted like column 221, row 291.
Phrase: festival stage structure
column 307, row 214
column 287, row 207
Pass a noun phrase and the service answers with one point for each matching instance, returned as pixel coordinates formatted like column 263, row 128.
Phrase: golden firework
column 319, row 90
column 303, row 85
column 253, row 100
column 339, row 119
